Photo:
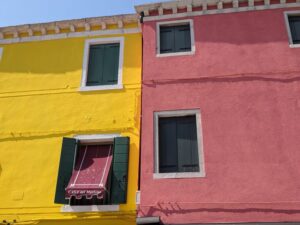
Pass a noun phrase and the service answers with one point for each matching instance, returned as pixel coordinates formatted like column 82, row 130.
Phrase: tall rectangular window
column 178, row 144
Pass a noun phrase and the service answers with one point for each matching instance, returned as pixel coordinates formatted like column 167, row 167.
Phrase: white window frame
column 1, row 52
column 178, row 113
column 287, row 24
column 175, row 23
column 88, row 139
column 88, row 44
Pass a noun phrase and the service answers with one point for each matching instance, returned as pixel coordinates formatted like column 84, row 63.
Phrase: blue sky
column 16, row 12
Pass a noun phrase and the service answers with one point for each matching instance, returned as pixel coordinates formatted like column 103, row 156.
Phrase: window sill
column 175, row 54
column 178, row 175
column 101, row 87
column 90, row 208
column 294, row 45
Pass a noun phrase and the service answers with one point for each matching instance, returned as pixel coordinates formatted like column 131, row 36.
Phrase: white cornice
column 67, row 28
column 202, row 7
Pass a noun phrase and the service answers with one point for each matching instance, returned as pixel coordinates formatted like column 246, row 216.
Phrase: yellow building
column 70, row 95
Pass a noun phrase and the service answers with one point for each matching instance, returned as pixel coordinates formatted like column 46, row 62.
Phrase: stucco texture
column 244, row 79
column 40, row 103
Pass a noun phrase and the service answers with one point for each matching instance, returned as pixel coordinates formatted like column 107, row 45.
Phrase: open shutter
column 111, row 65
column 167, row 40
column 119, row 176
column 182, row 38
column 66, row 163
column 95, row 67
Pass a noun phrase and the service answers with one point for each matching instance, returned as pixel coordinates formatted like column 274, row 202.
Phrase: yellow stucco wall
column 40, row 103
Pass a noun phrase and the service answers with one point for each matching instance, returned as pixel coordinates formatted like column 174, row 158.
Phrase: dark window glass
column 178, row 146
column 294, row 22
column 103, row 64
column 175, row 39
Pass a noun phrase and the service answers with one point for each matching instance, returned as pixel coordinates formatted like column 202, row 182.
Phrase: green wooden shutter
column 167, row 40
column 119, row 176
column 66, row 163
column 187, row 145
column 168, row 157
column 95, row 66
column 111, row 65
column 182, row 38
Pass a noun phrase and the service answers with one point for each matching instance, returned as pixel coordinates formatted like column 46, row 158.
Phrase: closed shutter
column 182, row 38
column 95, row 66
column 294, row 22
column 187, row 145
column 178, row 145
column 168, row 158
column 175, row 39
column 119, row 178
column 103, row 67
column 67, row 157
column 167, row 40
column 111, row 65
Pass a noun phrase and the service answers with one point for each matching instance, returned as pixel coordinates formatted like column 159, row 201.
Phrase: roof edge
column 70, row 25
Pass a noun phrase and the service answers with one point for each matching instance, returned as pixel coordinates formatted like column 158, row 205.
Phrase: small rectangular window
column 178, row 144
column 175, row 38
column 102, row 64
column 294, row 23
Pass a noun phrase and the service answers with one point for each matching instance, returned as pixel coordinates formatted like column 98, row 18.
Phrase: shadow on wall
column 168, row 209
column 242, row 28
column 223, row 79
column 55, row 56
column 45, row 57
column 252, row 27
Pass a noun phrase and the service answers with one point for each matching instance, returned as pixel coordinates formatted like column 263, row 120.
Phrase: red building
column 221, row 112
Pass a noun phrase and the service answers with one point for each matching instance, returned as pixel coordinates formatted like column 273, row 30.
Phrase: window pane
column 187, row 144
column 182, row 38
column 294, row 22
column 95, row 66
column 168, row 161
column 111, row 64
column 167, row 39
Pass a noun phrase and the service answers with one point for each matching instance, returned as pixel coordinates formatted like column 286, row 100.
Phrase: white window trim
column 176, row 113
column 90, row 42
column 90, row 208
column 87, row 139
column 1, row 52
column 174, row 23
column 287, row 24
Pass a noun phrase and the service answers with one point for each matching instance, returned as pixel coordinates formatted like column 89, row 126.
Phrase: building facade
column 70, row 98
column 220, row 112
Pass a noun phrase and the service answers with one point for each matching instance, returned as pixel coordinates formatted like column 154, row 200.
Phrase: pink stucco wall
column 245, row 80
